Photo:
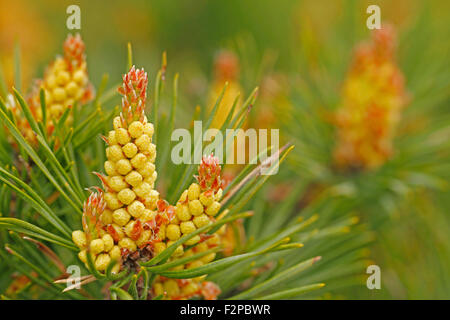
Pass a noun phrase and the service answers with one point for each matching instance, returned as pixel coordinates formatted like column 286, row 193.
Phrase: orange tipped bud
column 92, row 209
column 373, row 97
column 134, row 94
column 210, row 290
column 209, row 173
column 226, row 66
column 74, row 51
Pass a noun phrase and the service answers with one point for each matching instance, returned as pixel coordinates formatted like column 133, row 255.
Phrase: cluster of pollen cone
column 126, row 222
column 372, row 99
column 65, row 83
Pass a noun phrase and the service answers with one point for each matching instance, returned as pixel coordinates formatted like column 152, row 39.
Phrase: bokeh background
column 299, row 49
column 193, row 32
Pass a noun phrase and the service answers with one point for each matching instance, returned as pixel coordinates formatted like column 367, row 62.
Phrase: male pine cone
column 127, row 222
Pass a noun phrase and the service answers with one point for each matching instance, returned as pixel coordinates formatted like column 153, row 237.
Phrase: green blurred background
column 193, row 31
